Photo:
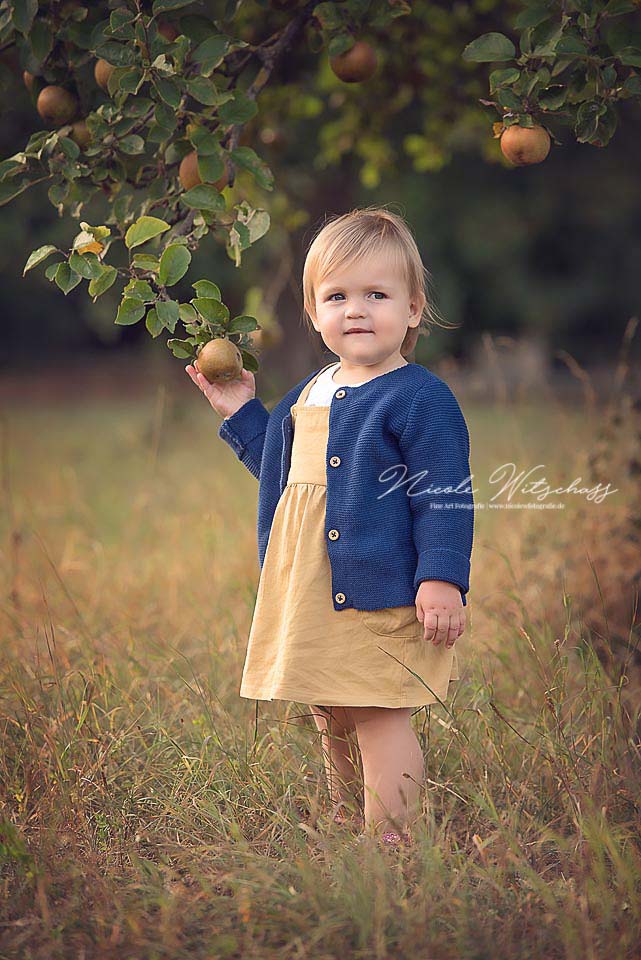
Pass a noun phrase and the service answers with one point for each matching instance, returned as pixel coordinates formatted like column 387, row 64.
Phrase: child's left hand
column 440, row 609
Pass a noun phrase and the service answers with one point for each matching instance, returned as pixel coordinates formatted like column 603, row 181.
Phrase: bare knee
column 370, row 720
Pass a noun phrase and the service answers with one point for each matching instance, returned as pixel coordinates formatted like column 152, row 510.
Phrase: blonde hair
column 363, row 232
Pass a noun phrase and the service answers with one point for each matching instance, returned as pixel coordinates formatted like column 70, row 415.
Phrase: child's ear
column 417, row 304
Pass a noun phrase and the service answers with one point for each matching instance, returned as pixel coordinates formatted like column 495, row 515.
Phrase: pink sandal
column 397, row 840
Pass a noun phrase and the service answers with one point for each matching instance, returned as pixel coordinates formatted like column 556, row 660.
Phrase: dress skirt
column 300, row 648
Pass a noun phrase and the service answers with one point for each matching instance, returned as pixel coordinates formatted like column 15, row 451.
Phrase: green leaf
column 331, row 16
column 105, row 280
column 69, row 147
column 629, row 56
column 153, row 324
column 38, row 256
column 165, row 118
column 595, row 123
column 145, row 261
column 65, row 277
column 168, row 313
column 23, row 13
column 121, row 24
column 242, row 325
column 204, row 197
column 248, row 158
column 145, row 228
column 86, row 265
column 130, row 311
column 239, row 109
column 139, row 290
column 488, row 47
column 168, row 90
column 118, row 54
column 205, row 142
column 205, row 288
column 182, row 349
column 51, row 270
column 162, row 6
column 132, row 144
column 340, row 44
column 210, row 168
column 187, row 313
column 203, row 90
column 41, row 40
column 212, row 310
column 633, row 86
column 174, row 264
column 8, row 168
column 569, row 44
column 532, row 17
column 211, row 52
column 501, row 78
column 553, row 96
column 507, row 98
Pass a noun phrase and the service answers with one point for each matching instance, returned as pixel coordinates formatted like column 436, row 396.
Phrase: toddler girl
column 365, row 519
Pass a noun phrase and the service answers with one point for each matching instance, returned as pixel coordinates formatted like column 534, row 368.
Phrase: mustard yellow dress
column 300, row 648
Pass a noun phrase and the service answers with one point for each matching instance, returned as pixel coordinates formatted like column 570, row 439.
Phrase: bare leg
column 340, row 753
column 389, row 750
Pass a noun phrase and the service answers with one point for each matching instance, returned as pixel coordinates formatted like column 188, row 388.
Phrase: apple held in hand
column 219, row 359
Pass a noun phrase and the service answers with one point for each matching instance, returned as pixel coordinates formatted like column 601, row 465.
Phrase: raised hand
column 225, row 396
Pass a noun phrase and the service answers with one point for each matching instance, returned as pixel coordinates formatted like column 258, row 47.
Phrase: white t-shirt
column 321, row 393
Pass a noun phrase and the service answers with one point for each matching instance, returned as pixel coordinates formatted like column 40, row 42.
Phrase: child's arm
column 245, row 432
column 435, row 446
column 245, row 418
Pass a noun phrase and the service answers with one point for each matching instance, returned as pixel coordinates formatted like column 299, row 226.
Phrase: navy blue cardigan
column 399, row 502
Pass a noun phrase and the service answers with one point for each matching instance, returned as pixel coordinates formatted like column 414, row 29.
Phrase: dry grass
column 147, row 811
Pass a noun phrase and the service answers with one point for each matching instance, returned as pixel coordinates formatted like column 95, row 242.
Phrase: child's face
column 372, row 296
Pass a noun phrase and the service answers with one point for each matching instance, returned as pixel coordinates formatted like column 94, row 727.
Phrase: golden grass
column 149, row 811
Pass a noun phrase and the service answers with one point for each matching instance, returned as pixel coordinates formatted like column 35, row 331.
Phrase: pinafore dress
column 300, row 648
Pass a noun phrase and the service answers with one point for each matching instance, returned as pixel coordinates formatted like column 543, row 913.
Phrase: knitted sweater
column 399, row 502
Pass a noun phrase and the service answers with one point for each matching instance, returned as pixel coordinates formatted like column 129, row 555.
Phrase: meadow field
column 149, row 811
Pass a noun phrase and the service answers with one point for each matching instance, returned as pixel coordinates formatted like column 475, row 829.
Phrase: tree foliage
column 163, row 95
column 575, row 62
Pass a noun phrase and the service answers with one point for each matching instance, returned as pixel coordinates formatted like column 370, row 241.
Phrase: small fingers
column 443, row 626
column 198, row 378
column 443, row 629
column 430, row 625
column 193, row 373
column 453, row 631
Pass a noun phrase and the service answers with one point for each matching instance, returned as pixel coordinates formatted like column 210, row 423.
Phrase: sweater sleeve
column 435, row 447
column 244, row 431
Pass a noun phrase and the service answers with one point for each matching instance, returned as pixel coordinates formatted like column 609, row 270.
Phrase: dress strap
column 302, row 397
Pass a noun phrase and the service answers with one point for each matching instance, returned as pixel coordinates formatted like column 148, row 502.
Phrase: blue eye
column 340, row 294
